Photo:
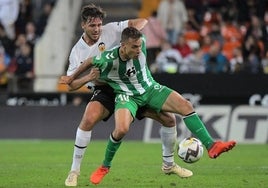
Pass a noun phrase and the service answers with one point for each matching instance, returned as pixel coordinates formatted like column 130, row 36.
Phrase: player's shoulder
column 112, row 50
column 79, row 45
column 110, row 54
column 115, row 24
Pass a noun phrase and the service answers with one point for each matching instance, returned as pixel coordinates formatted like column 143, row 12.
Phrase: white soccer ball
column 190, row 150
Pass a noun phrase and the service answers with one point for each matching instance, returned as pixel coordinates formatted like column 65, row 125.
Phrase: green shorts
column 154, row 98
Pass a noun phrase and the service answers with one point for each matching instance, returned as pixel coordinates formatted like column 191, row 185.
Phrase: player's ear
column 82, row 25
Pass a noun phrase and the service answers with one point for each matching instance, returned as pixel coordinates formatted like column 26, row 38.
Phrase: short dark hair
column 130, row 32
column 92, row 11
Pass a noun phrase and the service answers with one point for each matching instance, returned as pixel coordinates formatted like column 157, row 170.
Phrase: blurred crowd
column 183, row 36
column 21, row 25
column 208, row 36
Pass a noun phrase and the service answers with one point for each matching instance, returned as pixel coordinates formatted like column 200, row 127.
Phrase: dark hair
column 130, row 32
column 92, row 11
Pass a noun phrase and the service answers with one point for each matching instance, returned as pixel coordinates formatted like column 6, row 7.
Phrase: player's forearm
column 85, row 65
column 138, row 23
column 77, row 83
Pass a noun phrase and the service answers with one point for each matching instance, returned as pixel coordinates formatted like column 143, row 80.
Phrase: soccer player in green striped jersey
column 124, row 68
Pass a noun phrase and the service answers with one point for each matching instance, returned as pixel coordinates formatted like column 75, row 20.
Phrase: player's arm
column 79, row 82
column 85, row 65
column 138, row 23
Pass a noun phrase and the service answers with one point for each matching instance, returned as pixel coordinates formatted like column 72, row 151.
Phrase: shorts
column 153, row 98
column 105, row 95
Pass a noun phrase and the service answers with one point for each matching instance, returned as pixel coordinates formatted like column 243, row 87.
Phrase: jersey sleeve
column 104, row 58
column 73, row 62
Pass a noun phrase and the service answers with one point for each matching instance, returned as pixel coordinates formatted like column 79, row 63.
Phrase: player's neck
column 123, row 56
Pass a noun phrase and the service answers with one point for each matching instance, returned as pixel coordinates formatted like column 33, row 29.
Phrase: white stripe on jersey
column 113, row 75
column 142, row 58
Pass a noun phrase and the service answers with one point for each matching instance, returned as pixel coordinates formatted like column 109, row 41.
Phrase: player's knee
column 88, row 121
column 123, row 130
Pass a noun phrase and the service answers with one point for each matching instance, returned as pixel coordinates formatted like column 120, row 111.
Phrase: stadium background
column 233, row 106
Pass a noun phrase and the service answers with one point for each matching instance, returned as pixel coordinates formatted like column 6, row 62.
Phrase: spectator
column 257, row 30
column 193, row 19
column 215, row 33
column 265, row 31
column 229, row 30
column 193, row 63
column 237, row 61
column 8, row 16
column 215, row 61
column 252, row 55
column 42, row 21
column 196, row 9
column 206, row 43
column 6, row 42
column 30, row 32
column 210, row 17
column 25, row 15
column 4, row 63
column 21, row 40
column 265, row 63
column 173, row 16
column 192, row 36
column 168, row 60
column 24, row 68
column 155, row 35
column 182, row 46
column 232, row 37
column 229, row 47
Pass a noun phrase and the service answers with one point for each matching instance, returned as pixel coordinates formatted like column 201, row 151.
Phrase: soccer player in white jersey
column 95, row 39
column 125, row 69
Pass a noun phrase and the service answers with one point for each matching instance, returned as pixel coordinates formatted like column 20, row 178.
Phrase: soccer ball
column 190, row 150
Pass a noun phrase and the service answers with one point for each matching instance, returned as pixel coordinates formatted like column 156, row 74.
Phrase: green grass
column 45, row 163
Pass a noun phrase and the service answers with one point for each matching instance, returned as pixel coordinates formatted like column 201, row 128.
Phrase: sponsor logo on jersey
column 130, row 72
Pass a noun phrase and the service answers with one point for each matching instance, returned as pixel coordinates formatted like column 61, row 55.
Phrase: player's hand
column 65, row 80
column 94, row 74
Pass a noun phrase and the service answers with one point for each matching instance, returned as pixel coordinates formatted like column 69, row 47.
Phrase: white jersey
column 110, row 37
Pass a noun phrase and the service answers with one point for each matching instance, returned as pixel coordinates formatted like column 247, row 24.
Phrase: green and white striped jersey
column 128, row 77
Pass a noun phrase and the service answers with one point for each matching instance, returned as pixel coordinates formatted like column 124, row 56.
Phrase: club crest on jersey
column 130, row 72
column 101, row 47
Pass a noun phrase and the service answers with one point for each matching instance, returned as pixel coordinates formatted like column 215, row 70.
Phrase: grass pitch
column 45, row 163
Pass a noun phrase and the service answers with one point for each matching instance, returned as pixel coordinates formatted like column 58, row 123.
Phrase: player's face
column 133, row 48
column 92, row 29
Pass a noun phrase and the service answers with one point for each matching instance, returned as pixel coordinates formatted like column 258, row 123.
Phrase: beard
column 92, row 38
